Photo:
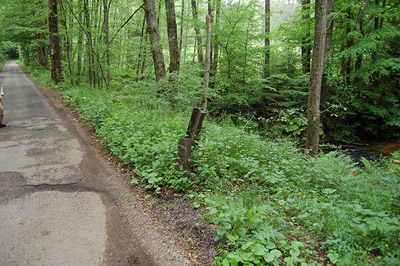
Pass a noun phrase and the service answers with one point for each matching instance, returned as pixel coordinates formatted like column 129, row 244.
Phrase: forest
column 276, row 79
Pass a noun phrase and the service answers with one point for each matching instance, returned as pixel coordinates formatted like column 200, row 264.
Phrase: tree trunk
column 267, row 31
column 376, row 20
column 181, row 30
column 314, row 93
column 89, row 40
column 214, row 65
column 246, row 46
column 79, row 44
column 306, row 47
column 55, row 48
column 359, row 28
column 67, row 41
column 106, row 12
column 328, row 46
column 207, row 64
column 172, row 36
column 358, row 64
column 142, row 48
column 382, row 19
column 210, row 13
column 198, row 33
column 144, row 58
column 96, row 15
column 156, row 48
column 42, row 56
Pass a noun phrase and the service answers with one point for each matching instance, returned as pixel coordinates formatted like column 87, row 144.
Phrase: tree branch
column 126, row 22
column 90, row 41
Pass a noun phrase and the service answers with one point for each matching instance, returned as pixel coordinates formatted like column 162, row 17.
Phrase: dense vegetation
column 360, row 95
column 271, row 203
column 293, row 209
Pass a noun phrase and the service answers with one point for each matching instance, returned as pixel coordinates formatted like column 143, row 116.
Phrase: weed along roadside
column 268, row 202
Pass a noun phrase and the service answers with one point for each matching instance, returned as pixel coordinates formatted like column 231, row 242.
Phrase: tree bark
column 306, row 47
column 144, row 58
column 89, row 40
column 267, row 31
column 210, row 13
column 172, row 36
column 246, row 54
column 67, row 41
column 42, row 56
column 156, row 48
column 181, row 29
column 359, row 59
column 214, row 65
column 142, row 48
column 328, row 46
column 198, row 33
column 314, row 93
column 106, row 12
column 79, row 44
column 55, row 48
column 382, row 19
column 207, row 64
column 376, row 20
column 359, row 28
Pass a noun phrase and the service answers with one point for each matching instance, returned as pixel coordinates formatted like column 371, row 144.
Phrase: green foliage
column 354, row 213
column 363, row 73
column 8, row 50
column 270, row 203
column 244, row 221
column 138, row 129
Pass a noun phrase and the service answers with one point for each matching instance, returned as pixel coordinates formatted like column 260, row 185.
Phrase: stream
column 374, row 150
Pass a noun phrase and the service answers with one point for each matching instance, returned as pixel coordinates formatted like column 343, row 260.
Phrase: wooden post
column 195, row 123
column 185, row 144
column 185, row 152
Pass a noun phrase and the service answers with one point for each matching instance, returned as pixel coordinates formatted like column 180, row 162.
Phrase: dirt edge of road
column 171, row 213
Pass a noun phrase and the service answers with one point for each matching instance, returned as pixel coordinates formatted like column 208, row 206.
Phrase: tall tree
column 79, row 48
column 306, row 46
column 181, row 29
column 106, row 12
column 67, row 41
column 172, row 31
column 88, row 31
column 214, row 65
column 55, row 47
column 198, row 33
column 314, row 92
column 328, row 46
column 267, row 31
column 155, row 40
column 207, row 64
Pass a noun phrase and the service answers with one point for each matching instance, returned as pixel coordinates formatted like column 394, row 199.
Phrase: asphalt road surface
column 60, row 203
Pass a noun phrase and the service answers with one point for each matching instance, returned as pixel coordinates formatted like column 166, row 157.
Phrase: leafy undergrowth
column 271, row 204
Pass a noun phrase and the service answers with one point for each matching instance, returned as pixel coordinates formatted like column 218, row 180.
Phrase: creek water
column 374, row 150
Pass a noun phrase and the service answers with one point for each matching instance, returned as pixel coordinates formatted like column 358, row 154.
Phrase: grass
column 271, row 204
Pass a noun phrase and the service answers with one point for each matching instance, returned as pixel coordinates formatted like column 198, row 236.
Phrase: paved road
column 57, row 205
